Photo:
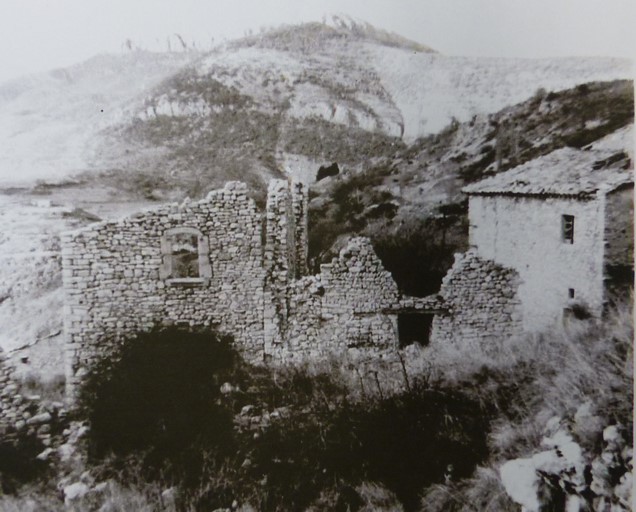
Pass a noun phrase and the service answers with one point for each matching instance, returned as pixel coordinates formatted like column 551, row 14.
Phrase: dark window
column 414, row 328
column 571, row 293
column 567, row 228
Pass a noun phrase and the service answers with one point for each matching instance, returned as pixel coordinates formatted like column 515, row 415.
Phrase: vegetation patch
column 181, row 408
column 18, row 463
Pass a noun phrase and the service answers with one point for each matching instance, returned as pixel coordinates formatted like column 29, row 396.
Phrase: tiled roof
column 565, row 172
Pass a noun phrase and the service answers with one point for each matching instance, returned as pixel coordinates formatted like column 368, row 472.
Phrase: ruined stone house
column 222, row 263
column 550, row 240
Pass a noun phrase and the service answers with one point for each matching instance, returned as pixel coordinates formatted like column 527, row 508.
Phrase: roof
column 564, row 172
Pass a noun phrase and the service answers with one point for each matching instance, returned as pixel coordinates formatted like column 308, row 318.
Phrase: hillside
column 287, row 100
column 47, row 121
column 411, row 205
column 275, row 102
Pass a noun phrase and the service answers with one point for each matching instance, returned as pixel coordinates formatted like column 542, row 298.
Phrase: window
column 414, row 328
column 185, row 256
column 567, row 228
column 571, row 293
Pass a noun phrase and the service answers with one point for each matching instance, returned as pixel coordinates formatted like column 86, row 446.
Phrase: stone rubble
column 567, row 477
column 25, row 416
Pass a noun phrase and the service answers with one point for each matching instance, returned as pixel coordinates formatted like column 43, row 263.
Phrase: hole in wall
column 414, row 328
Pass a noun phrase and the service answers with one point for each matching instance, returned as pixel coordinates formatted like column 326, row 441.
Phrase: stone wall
column 300, row 215
column 23, row 415
column 285, row 253
column 525, row 233
column 619, row 227
column 481, row 301
column 242, row 276
column 112, row 274
column 214, row 263
column 344, row 308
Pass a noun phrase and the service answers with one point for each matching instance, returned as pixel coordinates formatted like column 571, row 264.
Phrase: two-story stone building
column 557, row 236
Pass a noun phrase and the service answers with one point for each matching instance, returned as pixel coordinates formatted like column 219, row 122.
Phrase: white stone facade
column 563, row 225
column 525, row 234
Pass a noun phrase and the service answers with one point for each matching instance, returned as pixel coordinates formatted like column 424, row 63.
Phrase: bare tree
column 184, row 45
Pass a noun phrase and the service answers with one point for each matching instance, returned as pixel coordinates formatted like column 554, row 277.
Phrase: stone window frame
column 203, row 249
column 567, row 229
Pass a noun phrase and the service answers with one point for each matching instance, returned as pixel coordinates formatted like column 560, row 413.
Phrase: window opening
column 414, row 328
column 567, row 228
column 571, row 293
column 185, row 254
column 184, row 250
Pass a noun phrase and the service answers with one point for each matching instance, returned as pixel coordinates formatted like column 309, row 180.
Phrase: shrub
column 160, row 395
column 419, row 252
column 157, row 414
column 18, row 464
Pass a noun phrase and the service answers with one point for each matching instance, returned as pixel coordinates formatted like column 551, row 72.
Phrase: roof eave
column 584, row 196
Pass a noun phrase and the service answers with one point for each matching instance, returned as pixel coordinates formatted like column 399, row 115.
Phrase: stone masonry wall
column 300, row 213
column 525, row 233
column 343, row 307
column 285, row 251
column 119, row 279
column 482, row 303
column 113, row 282
column 23, row 415
column 619, row 228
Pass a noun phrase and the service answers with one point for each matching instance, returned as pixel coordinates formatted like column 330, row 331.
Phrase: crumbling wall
column 22, row 415
column 300, row 214
column 482, row 301
column 119, row 279
column 285, row 253
column 10, row 400
column 112, row 274
column 344, row 308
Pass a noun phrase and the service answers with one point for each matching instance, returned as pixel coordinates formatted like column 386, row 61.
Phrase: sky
column 38, row 35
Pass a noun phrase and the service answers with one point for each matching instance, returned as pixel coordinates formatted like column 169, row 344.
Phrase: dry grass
column 588, row 365
column 481, row 493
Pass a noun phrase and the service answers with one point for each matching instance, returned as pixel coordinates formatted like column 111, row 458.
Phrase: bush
column 418, row 253
column 157, row 414
column 18, row 464
column 528, row 380
column 160, row 395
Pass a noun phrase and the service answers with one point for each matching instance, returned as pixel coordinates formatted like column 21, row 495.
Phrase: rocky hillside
column 411, row 203
column 290, row 100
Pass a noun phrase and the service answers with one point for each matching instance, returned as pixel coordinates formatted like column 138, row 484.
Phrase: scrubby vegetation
column 18, row 464
column 180, row 422
column 324, row 141
column 583, row 377
column 311, row 37
column 186, row 409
